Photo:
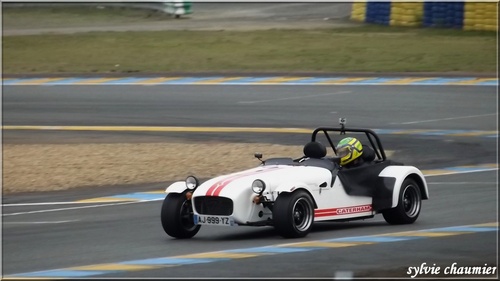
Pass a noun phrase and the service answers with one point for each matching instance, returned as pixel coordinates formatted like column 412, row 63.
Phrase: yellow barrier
column 358, row 11
column 481, row 16
column 406, row 14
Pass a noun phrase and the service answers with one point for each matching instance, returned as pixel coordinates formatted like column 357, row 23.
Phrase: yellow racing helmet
column 349, row 149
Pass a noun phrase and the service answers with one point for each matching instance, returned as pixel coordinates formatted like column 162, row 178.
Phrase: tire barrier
column 481, row 16
column 461, row 15
column 406, row 14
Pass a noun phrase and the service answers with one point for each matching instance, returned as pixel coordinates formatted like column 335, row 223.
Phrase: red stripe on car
column 220, row 183
column 216, row 188
column 342, row 211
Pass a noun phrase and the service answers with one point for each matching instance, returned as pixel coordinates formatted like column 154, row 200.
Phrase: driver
column 349, row 150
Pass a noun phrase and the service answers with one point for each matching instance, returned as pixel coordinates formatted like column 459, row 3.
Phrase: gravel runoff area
column 49, row 167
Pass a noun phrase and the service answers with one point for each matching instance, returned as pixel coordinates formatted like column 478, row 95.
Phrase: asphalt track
column 432, row 127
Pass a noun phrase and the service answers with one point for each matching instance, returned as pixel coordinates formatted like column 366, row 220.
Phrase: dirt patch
column 68, row 19
column 48, row 167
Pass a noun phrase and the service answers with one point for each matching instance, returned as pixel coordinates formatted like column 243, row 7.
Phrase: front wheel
column 177, row 216
column 409, row 204
column 293, row 214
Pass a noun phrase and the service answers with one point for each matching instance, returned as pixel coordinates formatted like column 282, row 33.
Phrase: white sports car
column 292, row 194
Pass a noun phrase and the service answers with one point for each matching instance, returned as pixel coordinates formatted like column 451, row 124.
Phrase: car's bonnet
column 273, row 176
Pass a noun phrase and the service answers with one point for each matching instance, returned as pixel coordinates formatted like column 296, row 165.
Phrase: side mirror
column 258, row 156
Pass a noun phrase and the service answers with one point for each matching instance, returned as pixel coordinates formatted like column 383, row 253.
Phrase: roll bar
column 370, row 135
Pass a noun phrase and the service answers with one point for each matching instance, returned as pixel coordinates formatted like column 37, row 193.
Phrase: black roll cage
column 370, row 135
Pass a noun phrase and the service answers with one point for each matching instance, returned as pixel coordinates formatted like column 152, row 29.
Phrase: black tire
column 409, row 204
column 293, row 214
column 177, row 216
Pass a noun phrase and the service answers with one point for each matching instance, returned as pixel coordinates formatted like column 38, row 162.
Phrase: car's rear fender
column 292, row 187
column 176, row 187
column 400, row 173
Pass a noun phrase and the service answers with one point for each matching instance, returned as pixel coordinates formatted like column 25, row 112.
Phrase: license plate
column 214, row 220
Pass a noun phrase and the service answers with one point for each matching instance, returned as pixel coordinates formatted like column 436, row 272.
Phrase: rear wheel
column 177, row 216
column 409, row 204
column 293, row 214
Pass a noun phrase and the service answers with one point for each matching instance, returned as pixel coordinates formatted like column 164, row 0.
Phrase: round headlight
column 191, row 182
column 258, row 186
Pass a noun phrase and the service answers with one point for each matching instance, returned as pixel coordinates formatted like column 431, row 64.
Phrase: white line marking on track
column 442, row 119
column 462, row 172
column 44, row 203
column 74, row 208
column 294, row 98
column 64, row 203
column 38, row 222
column 461, row 182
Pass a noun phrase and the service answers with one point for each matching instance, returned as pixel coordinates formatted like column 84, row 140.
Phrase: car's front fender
column 400, row 173
column 291, row 187
column 176, row 187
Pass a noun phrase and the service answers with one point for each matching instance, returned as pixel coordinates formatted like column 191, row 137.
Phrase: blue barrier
column 378, row 12
column 438, row 14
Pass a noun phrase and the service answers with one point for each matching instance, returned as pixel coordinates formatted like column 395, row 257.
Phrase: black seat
column 368, row 154
column 315, row 153
column 314, row 150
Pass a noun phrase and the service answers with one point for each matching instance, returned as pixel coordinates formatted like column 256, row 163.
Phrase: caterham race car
column 291, row 194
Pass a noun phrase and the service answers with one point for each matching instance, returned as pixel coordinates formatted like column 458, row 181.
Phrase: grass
column 358, row 49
